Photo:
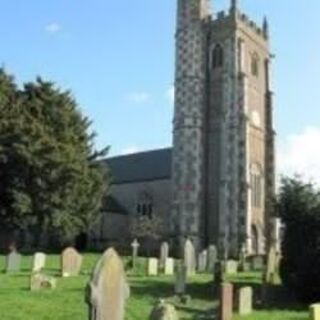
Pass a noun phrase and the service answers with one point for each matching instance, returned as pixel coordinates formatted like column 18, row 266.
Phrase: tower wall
column 188, row 133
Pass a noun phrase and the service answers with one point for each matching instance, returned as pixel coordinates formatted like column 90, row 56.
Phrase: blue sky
column 117, row 57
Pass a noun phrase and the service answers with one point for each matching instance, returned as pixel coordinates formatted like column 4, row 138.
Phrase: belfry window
column 255, row 65
column 217, row 57
column 256, row 187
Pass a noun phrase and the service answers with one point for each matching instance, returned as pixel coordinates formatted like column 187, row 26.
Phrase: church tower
column 189, row 120
column 223, row 155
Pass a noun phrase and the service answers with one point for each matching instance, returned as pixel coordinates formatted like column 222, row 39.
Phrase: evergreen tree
column 299, row 209
column 51, row 179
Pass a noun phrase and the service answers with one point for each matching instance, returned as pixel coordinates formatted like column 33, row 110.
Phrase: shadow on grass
column 163, row 288
column 271, row 297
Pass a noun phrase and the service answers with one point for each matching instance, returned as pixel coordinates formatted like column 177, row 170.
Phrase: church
column 216, row 184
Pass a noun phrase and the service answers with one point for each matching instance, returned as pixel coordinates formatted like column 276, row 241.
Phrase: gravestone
column 71, row 262
column 181, row 275
column 13, row 262
column 315, row 312
column 226, row 301
column 40, row 281
column 189, row 257
column 39, row 261
column 218, row 274
column 169, row 267
column 164, row 254
column 202, row 261
column 163, row 311
column 107, row 290
column 231, row 267
column 135, row 249
column 271, row 266
column 152, row 267
column 257, row 263
column 212, row 258
column 245, row 296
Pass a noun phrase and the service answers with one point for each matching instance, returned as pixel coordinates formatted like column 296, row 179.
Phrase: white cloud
column 300, row 154
column 53, row 28
column 130, row 150
column 139, row 97
column 170, row 95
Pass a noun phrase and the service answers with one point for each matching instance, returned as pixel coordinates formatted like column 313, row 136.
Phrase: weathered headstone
column 270, row 272
column 218, row 274
column 212, row 258
column 152, row 267
column 231, row 267
column 135, row 249
column 13, row 262
column 257, row 263
column 315, row 312
column 108, row 289
column 181, row 275
column 39, row 261
column 169, row 267
column 245, row 296
column 226, row 301
column 189, row 257
column 40, row 281
column 71, row 262
column 202, row 261
column 163, row 311
column 164, row 254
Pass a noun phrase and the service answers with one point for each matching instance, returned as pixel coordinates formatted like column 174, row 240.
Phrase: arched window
column 255, row 64
column 256, row 186
column 217, row 57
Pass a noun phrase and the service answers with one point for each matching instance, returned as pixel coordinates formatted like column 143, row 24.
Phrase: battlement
column 223, row 17
column 251, row 24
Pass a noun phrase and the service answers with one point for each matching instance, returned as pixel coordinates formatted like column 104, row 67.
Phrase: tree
column 299, row 208
column 51, row 179
column 147, row 228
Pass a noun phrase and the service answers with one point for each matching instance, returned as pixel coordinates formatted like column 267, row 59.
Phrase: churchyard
column 67, row 299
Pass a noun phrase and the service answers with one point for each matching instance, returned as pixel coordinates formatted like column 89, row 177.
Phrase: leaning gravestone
column 108, row 289
column 39, row 261
column 164, row 254
column 189, row 257
column 13, row 262
column 71, row 262
column 169, row 267
column 152, row 267
column 315, row 312
column 245, row 301
column 212, row 258
column 226, row 301
column 163, row 311
column 202, row 261
column 40, row 281
column 181, row 275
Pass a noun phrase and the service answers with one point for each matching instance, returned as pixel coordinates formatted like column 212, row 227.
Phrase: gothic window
column 255, row 65
column 145, row 205
column 217, row 57
column 256, row 186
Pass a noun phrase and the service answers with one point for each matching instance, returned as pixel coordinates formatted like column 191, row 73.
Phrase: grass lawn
column 67, row 301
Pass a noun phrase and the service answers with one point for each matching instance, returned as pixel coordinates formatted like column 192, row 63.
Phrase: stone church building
column 216, row 184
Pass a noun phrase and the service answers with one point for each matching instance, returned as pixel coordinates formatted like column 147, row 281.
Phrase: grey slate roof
column 142, row 166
